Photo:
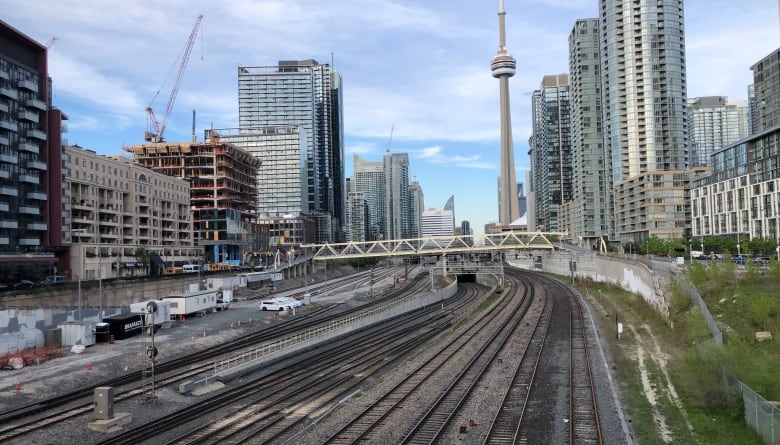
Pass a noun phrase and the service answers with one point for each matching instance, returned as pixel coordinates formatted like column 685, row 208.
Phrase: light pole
column 81, row 267
column 690, row 252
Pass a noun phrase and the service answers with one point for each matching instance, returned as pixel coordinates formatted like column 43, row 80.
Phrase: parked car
column 272, row 305
column 289, row 302
column 24, row 284
column 54, row 279
column 761, row 259
column 739, row 259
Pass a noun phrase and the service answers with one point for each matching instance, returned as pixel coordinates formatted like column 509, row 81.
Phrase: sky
column 416, row 74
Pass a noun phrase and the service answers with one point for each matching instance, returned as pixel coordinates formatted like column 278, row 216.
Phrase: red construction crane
column 156, row 129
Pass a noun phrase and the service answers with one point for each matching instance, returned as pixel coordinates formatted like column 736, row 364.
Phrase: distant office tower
column 503, row 67
column 465, row 228
column 438, row 222
column 416, row 207
column 522, row 205
column 307, row 94
column 396, row 169
column 714, row 123
column 645, row 120
column 33, row 234
column 766, row 90
column 589, row 210
column 357, row 217
column 552, row 147
column 369, row 178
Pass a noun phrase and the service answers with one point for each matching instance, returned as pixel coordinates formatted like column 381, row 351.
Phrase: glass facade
column 303, row 94
column 644, row 98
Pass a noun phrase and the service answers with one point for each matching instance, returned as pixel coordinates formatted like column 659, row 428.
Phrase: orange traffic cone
column 89, row 366
column 18, row 386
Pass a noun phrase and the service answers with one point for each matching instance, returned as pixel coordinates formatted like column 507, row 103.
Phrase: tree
column 143, row 256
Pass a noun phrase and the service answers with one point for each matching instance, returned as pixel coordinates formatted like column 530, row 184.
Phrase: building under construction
column 223, row 194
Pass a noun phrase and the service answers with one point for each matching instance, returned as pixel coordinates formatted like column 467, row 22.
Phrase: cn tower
column 503, row 67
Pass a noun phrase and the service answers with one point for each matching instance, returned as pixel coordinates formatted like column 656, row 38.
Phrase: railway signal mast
column 156, row 129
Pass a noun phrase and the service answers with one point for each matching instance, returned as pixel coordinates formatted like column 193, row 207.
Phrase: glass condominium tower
column 645, row 117
column 308, row 94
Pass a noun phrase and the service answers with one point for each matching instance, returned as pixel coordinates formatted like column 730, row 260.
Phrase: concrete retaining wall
column 631, row 275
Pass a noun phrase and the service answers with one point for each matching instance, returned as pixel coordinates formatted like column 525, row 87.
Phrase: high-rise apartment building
column 308, row 94
column 714, row 123
column 589, row 211
column 552, row 148
column 369, row 179
column 416, row 207
column 34, row 239
column 645, row 117
column 396, row 168
column 765, row 112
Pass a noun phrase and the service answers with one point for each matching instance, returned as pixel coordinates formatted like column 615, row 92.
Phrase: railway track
column 380, row 413
column 273, row 404
column 521, row 418
column 23, row 420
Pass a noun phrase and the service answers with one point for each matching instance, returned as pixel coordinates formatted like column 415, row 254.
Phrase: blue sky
column 420, row 68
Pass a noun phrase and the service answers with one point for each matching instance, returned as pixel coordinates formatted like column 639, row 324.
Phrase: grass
column 713, row 416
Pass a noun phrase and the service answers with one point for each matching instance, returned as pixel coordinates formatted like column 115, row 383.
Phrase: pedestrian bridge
column 436, row 245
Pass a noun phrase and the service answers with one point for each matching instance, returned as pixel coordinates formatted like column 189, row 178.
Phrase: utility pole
column 81, row 267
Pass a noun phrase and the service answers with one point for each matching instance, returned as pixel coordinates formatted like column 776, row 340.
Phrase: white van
column 54, row 279
column 272, row 305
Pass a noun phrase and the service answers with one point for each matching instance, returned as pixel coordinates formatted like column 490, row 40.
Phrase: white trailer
column 223, row 302
column 162, row 315
column 192, row 302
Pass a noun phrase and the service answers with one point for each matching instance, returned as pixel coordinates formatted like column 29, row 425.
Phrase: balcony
column 5, row 75
column 4, row 140
column 8, row 224
column 7, row 92
column 38, row 196
column 29, row 210
column 28, row 85
column 28, row 116
column 27, row 146
column 9, row 191
column 4, row 206
column 29, row 179
column 5, row 174
column 29, row 242
column 10, row 126
column 38, row 226
column 36, row 103
column 37, row 165
column 35, row 133
column 4, row 240
column 3, row 107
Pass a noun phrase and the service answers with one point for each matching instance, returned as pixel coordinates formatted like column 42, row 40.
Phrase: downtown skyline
column 422, row 71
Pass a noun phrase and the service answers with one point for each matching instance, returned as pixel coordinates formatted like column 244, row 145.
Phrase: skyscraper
column 766, row 89
column 369, row 180
column 396, row 168
column 308, row 94
column 503, row 67
column 552, row 148
column 715, row 122
column 645, row 117
column 589, row 210
column 416, row 207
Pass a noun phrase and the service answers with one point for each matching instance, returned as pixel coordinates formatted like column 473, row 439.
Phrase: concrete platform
column 111, row 425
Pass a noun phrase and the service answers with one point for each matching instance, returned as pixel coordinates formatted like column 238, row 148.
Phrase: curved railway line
column 479, row 368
